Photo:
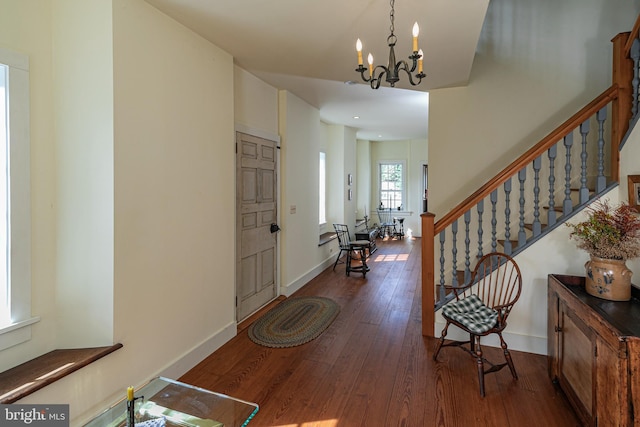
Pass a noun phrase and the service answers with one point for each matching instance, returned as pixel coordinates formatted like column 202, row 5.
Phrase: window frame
column 18, row 288
column 403, row 184
column 322, row 189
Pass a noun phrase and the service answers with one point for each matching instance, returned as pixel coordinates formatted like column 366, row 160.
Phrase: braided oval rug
column 295, row 321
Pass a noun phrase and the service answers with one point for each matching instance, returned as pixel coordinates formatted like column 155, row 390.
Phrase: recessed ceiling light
column 350, row 82
column 356, row 117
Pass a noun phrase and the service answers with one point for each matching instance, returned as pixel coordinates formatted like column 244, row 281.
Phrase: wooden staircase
column 543, row 188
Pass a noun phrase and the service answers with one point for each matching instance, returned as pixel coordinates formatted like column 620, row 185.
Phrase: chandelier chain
column 392, row 16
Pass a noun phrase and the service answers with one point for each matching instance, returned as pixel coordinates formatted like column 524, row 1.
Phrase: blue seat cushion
column 472, row 313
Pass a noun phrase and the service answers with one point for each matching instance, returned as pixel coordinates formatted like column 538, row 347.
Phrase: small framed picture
column 634, row 191
column 349, row 179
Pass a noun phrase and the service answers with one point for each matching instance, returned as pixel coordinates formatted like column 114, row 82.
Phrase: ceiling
column 308, row 48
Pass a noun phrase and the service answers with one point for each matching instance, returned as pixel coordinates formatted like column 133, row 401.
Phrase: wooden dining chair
column 354, row 249
column 482, row 307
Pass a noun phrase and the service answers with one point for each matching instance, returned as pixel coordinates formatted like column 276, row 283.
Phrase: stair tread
column 591, row 190
column 555, row 208
column 529, row 226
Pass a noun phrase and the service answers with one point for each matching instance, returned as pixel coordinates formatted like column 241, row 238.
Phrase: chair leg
column 475, row 346
column 337, row 259
column 507, row 356
column 348, row 268
column 363, row 257
column 440, row 341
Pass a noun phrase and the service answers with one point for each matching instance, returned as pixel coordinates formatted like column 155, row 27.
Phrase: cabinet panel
column 611, row 382
column 576, row 358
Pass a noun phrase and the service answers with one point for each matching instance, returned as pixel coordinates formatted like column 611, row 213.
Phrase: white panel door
column 255, row 213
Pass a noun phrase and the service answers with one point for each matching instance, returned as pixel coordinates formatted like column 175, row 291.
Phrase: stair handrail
column 551, row 139
column 634, row 34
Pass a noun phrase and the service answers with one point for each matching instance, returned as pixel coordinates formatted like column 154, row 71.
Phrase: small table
column 181, row 404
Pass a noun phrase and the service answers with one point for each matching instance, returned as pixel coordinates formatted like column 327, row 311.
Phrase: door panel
column 256, row 203
column 576, row 359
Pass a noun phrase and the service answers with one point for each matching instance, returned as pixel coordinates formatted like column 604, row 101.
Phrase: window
column 15, row 200
column 391, row 179
column 322, row 189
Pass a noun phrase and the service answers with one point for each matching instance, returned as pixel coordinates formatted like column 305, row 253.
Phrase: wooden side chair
column 355, row 250
column 482, row 307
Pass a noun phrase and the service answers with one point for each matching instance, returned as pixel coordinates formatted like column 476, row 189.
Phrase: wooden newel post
column 428, row 285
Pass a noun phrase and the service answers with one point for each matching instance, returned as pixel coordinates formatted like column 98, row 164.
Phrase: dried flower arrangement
column 609, row 232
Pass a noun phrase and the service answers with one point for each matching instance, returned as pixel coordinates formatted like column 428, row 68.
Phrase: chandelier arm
column 375, row 83
column 361, row 70
column 382, row 70
column 376, row 80
column 418, row 76
column 402, row 65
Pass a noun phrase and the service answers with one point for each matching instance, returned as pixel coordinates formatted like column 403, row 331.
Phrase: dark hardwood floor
column 372, row 367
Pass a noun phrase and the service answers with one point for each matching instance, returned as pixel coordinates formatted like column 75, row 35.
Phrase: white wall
column 336, row 175
column 363, row 181
column 26, row 27
column 255, row 104
column 342, row 140
column 174, row 162
column 300, row 131
column 84, row 114
column 127, row 185
column 537, row 63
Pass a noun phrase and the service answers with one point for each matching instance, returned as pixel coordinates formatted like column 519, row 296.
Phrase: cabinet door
column 611, row 385
column 577, row 360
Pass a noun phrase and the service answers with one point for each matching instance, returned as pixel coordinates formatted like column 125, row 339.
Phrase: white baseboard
column 291, row 288
column 198, row 353
column 518, row 342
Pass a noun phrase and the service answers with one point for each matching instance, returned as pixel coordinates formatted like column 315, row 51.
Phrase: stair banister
column 529, row 156
column 624, row 96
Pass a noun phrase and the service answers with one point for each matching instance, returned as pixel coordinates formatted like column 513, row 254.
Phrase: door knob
column 274, row 228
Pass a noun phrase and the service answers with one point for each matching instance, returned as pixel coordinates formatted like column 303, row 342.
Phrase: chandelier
column 391, row 71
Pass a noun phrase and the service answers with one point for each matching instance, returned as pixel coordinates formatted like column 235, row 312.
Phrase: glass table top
column 179, row 404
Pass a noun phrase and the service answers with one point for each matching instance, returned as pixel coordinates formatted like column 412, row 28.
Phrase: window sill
column 397, row 213
column 35, row 374
column 16, row 333
column 326, row 238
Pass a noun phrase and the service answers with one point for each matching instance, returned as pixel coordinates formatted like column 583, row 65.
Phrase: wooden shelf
column 33, row 375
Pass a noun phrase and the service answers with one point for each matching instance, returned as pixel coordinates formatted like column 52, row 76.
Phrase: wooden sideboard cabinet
column 594, row 352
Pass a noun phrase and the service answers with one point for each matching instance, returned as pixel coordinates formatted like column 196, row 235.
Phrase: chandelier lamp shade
column 391, row 72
